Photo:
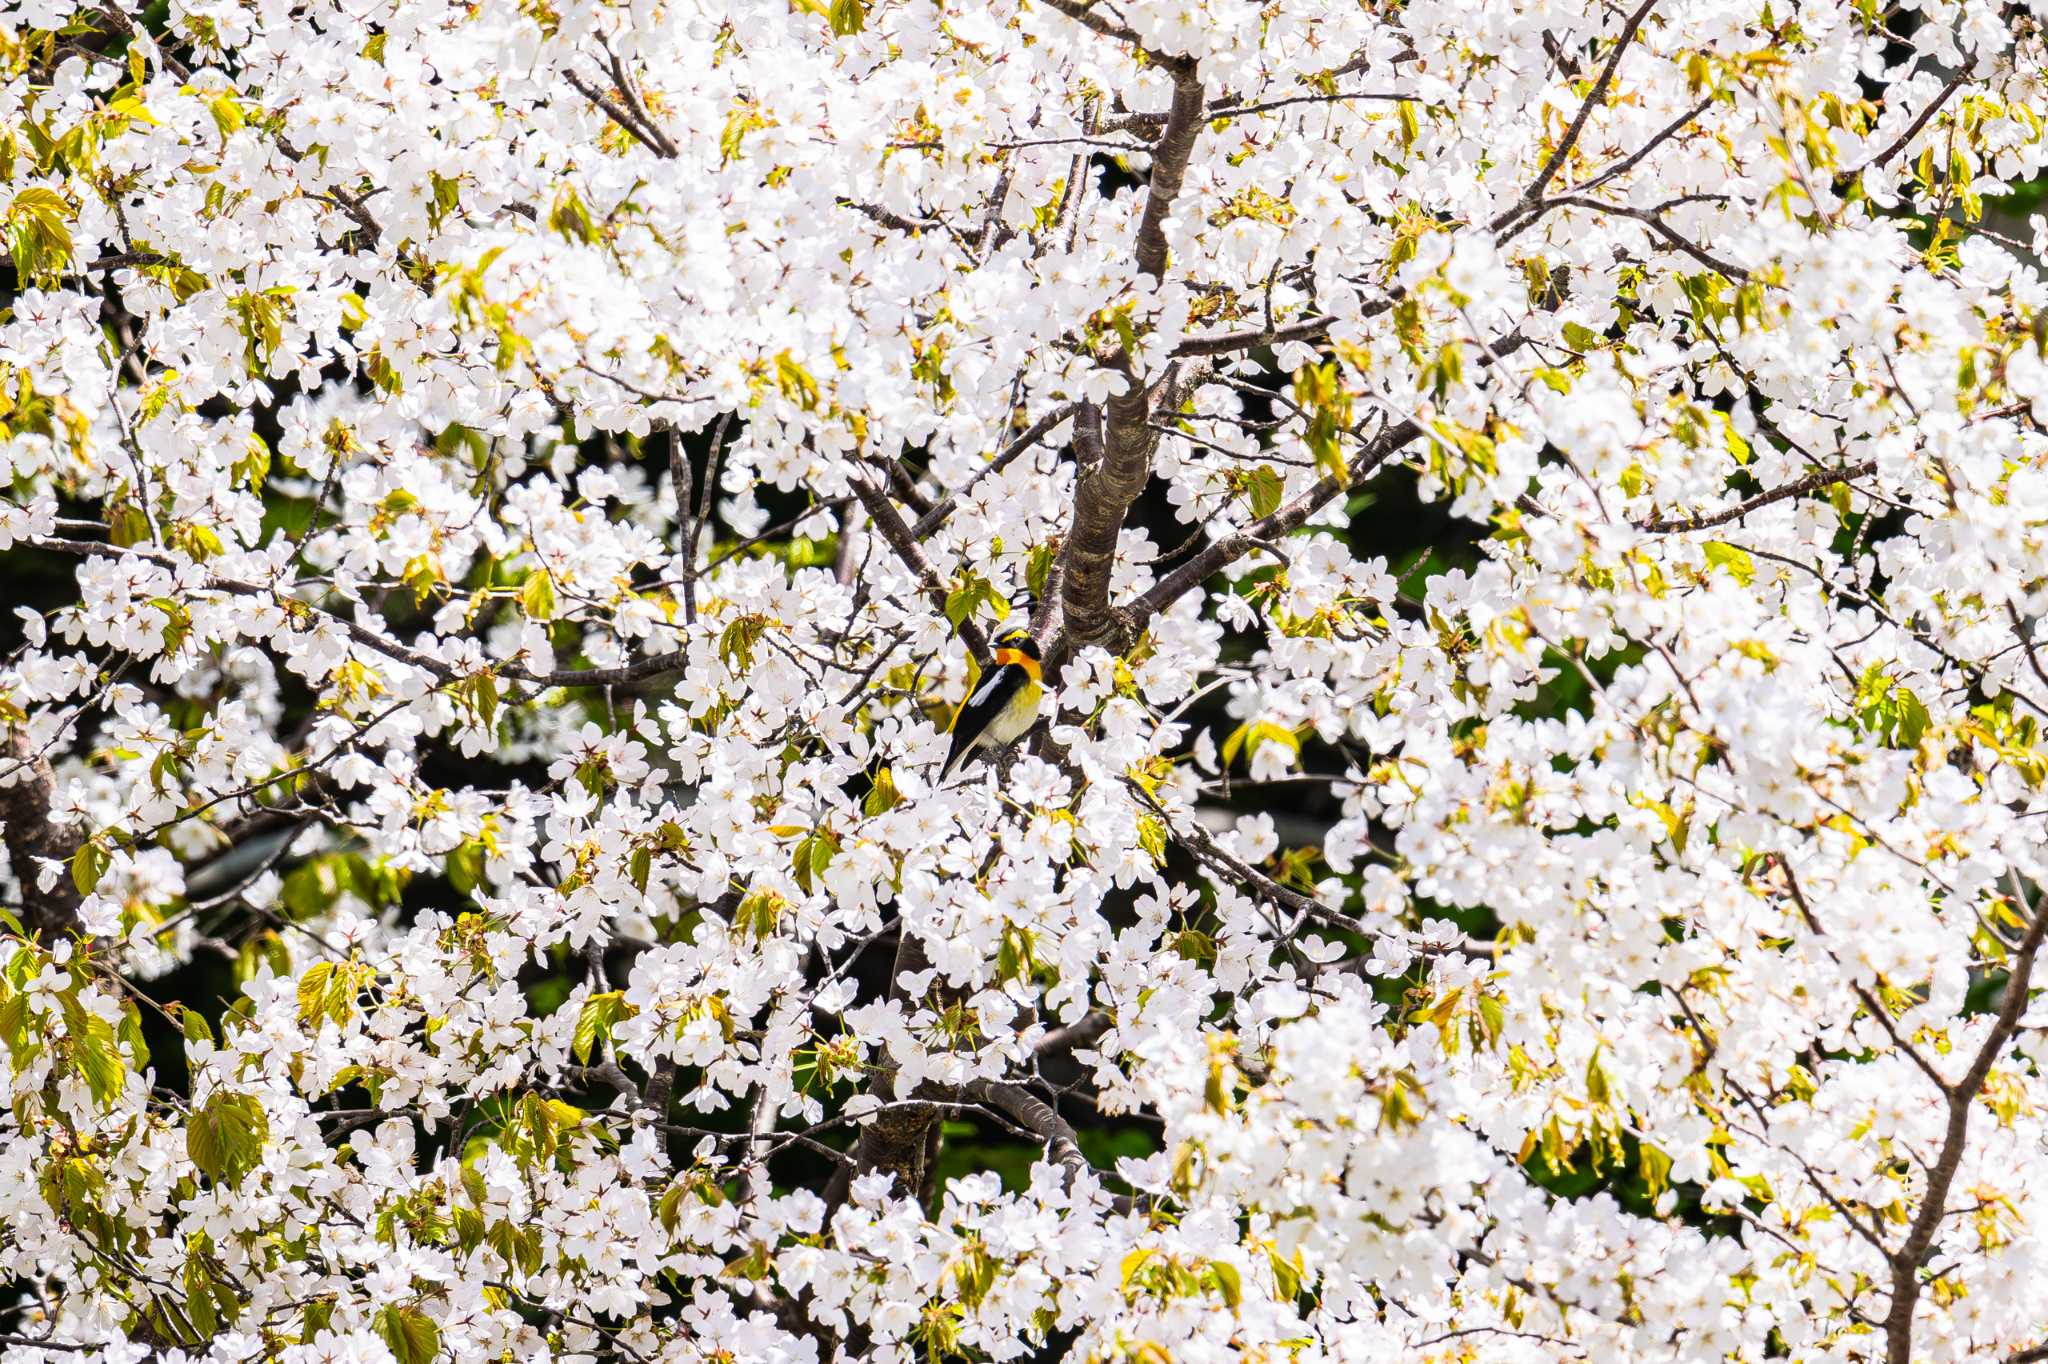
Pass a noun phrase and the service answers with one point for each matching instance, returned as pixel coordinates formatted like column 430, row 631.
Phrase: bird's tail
column 956, row 761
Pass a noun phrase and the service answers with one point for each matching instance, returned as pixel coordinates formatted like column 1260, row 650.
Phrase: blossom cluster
column 533, row 482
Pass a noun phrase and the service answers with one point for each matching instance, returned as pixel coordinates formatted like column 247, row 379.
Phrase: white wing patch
column 987, row 689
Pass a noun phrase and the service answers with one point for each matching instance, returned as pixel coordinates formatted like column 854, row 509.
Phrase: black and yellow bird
column 1003, row 707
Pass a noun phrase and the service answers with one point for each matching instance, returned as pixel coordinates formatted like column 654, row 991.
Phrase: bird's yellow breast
column 1016, row 717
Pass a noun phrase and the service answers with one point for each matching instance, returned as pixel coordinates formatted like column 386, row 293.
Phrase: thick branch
column 1073, row 1036
column 1230, row 343
column 1036, row 1116
column 1112, row 481
column 30, row 831
column 903, row 1138
column 1169, row 170
column 1082, row 13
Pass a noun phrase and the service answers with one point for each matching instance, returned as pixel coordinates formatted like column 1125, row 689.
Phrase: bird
column 1003, row 707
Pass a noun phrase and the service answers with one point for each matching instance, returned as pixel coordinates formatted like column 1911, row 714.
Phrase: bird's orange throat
column 1020, row 658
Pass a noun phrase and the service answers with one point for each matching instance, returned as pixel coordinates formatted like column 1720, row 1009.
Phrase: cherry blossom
column 529, row 485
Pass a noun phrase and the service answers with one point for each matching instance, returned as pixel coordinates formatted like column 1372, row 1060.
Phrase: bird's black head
column 1020, row 640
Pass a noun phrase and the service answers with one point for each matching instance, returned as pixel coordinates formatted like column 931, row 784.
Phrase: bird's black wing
column 998, row 685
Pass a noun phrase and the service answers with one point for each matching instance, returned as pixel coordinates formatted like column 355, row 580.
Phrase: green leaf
column 1733, row 558
column 1597, row 1088
column 759, row 913
column 848, row 17
column 23, row 1040
column 883, row 795
column 571, row 217
column 594, row 1021
column 98, row 1057
column 466, row 867
column 89, row 864
column 1247, row 737
column 1265, row 489
column 39, row 234
column 1038, row 565
column 975, row 1274
column 313, row 989
column 1656, row 1169
column 1732, row 438
column 254, row 466
column 312, row 887
column 1838, row 498
column 1228, row 1283
column 1017, row 957
column 813, row 854
column 131, row 1033
column 1320, row 390
column 1286, row 1276
column 537, row 595
column 199, row 1296
column 227, row 115
column 959, row 604
column 1581, row 337
column 411, row 1335
column 736, row 645
column 974, row 590
column 225, row 1138
column 1912, row 719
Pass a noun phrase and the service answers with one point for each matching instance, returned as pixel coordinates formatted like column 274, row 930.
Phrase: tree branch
column 1595, row 97
column 1036, row 1116
column 639, row 671
column 1260, row 534
column 1220, row 554
column 889, row 523
column 1665, row 134
column 647, row 135
column 1106, row 488
column 1206, row 851
column 1912, row 131
column 1084, row 15
column 1812, row 482
column 30, row 831
column 1898, row 1322
column 1032, row 435
column 1073, row 1035
column 1228, row 343
column 1653, row 220
column 901, row 1139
